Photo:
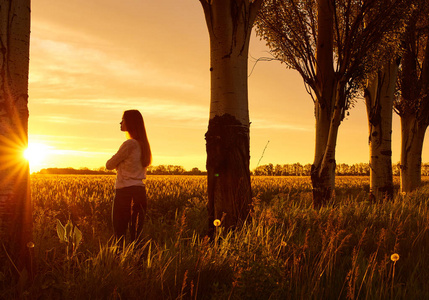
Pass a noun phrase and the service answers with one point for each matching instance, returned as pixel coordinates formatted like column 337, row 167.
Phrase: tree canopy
column 413, row 83
column 360, row 39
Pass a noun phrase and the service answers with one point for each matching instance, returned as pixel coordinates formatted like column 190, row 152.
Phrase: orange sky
column 91, row 60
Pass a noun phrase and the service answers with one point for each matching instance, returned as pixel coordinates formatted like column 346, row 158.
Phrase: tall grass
column 286, row 250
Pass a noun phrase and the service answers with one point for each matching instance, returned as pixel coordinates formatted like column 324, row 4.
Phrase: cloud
column 176, row 111
column 68, row 120
column 54, row 142
column 80, row 153
column 160, row 108
column 270, row 124
column 64, row 119
column 76, row 66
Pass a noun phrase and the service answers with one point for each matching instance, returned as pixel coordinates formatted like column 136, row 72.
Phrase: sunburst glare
column 35, row 154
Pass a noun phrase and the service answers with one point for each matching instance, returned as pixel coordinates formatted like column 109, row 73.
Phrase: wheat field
column 350, row 249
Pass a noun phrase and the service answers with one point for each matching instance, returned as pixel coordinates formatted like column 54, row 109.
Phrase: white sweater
column 127, row 162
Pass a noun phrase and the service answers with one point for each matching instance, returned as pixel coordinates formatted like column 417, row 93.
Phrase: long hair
column 135, row 126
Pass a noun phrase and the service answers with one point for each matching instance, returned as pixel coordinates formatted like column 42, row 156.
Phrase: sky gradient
column 91, row 60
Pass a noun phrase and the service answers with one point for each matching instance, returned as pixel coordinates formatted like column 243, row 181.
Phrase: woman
column 131, row 162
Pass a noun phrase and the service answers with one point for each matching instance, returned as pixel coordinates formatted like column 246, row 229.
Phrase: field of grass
column 287, row 250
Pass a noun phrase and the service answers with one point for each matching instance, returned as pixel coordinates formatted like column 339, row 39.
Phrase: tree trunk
column 15, row 201
column 414, row 107
column 413, row 134
column 326, row 113
column 379, row 103
column 229, row 23
column 229, row 190
column 323, row 167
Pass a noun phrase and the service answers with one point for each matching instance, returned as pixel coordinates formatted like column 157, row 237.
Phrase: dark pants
column 122, row 214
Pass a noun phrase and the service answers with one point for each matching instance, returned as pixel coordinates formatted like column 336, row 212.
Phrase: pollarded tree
column 412, row 105
column 332, row 44
column 229, row 23
column 15, row 201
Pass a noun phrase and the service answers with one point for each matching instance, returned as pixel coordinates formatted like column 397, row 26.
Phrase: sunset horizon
column 35, row 170
column 199, row 149
column 89, row 65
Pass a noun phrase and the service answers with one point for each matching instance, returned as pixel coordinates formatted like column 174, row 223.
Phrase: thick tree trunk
column 228, row 157
column 323, row 167
column 413, row 134
column 229, row 192
column 414, row 105
column 326, row 113
column 379, row 103
column 15, row 201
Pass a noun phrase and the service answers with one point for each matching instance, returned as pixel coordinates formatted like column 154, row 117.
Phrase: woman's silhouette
column 131, row 162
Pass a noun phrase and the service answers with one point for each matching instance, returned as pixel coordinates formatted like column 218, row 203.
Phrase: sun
column 35, row 154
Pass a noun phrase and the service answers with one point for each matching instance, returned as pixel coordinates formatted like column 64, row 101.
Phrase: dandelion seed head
column 394, row 257
column 216, row 222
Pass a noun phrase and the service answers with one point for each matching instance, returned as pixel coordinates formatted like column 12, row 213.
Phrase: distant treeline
column 81, row 171
column 360, row 169
column 296, row 169
column 151, row 170
column 173, row 170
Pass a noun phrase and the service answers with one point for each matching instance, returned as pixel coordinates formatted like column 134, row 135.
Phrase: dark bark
column 15, row 200
column 413, row 105
column 413, row 134
column 229, row 190
column 323, row 190
column 379, row 96
column 16, row 220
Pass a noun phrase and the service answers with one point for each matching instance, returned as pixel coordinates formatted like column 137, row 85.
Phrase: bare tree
column 229, row 23
column 333, row 45
column 412, row 105
column 15, row 201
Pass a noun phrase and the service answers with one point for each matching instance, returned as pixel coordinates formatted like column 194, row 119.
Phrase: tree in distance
column 412, row 103
column 334, row 46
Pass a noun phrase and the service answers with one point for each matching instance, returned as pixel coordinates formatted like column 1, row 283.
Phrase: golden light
column 394, row 257
column 35, row 154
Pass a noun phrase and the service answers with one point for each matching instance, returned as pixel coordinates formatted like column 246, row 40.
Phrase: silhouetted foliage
column 152, row 170
column 296, row 169
column 412, row 103
column 173, row 170
column 333, row 45
column 81, row 171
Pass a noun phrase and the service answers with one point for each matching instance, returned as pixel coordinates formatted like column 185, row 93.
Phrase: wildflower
column 30, row 245
column 216, row 222
column 394, row 257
